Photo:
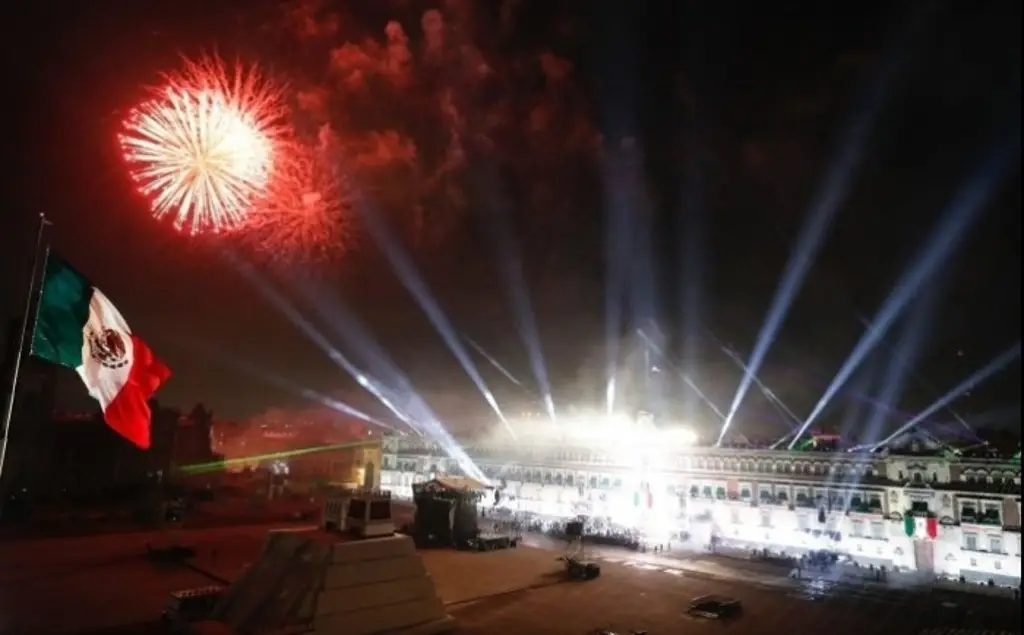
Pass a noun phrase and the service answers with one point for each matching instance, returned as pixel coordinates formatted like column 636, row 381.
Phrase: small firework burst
column 306, row 213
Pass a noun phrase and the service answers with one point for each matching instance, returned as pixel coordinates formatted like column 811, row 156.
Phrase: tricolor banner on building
column 913, row 526
column 78, row 327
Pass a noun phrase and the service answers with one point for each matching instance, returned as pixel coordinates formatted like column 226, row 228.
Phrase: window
column 875, row 502
column 919, row 506
column 833, row 523
column 745, row 493
column 694, row 491
column 782, row 496
column 878, row 531
column 720, row 493
column 357, row 509
column 968, row 513
column 899, row 476
column 706, row 491
column 971, row 542
column 995, row 544
column 992, row 514
column 380, row 510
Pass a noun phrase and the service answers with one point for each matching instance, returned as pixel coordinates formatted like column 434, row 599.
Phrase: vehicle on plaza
column 715, row 607
column 190, row 605
column 171, row 553
column 577, row 569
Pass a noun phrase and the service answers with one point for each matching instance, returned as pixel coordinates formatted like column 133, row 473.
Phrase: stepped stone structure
column 332, row 583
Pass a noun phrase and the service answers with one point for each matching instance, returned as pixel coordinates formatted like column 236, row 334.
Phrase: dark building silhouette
column 77, row 457
column 34, row 400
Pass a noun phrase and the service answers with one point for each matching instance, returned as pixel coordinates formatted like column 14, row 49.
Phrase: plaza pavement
column 104, row 585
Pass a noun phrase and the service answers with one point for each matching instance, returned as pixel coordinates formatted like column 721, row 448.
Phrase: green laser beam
column 210, row 466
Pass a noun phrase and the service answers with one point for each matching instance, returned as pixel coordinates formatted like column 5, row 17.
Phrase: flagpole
column 19, row 351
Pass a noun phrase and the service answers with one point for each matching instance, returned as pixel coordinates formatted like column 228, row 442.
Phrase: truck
column 448, row 516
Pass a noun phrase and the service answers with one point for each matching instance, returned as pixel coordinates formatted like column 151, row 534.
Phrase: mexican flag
column 78, row 327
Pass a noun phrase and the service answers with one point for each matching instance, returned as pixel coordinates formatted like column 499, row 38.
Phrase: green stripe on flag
column 63, row 312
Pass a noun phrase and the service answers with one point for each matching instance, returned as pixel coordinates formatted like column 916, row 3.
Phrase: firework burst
column 204, row 148
column 306, row 212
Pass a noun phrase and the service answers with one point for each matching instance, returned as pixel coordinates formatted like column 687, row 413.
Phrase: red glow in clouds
column 203, row 149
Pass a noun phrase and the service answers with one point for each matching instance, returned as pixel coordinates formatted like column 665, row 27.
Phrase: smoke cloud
column 410, row 104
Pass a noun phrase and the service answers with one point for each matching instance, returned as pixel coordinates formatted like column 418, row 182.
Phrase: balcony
column 804, row 501
column 988, row 519
column 873, row 507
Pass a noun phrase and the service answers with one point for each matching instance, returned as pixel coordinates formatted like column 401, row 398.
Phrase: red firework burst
column 306, row 212
column 203, row 148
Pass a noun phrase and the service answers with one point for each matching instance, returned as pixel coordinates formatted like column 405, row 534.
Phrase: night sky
column 732, row 113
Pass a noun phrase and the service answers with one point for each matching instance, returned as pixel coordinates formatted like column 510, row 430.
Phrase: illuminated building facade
column 929, row 514
column 350, row 467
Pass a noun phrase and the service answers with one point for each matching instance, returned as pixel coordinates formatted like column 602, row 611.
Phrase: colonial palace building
column 940, row 516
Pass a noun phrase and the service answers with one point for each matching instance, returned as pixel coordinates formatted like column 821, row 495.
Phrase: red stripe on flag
column 128, row 414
